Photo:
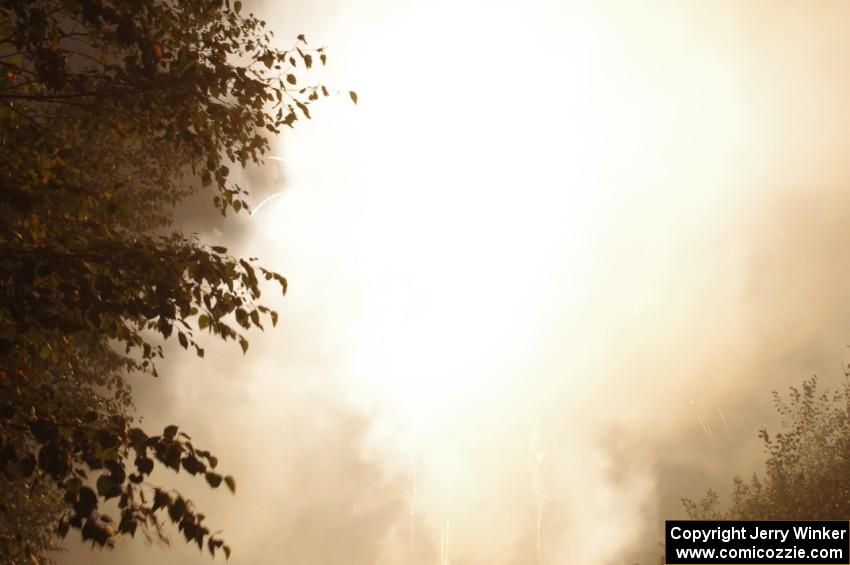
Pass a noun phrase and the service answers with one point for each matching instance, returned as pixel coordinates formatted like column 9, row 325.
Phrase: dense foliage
column 807, row 470
column 111, row 112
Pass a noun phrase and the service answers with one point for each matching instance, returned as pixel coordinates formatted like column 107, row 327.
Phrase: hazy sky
column 553, row 247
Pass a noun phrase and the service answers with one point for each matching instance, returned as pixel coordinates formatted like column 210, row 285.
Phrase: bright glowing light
column 454, row 249
column 474, row 166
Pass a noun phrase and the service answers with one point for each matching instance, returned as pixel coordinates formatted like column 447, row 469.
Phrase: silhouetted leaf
column 86, row 502
column 214, row 479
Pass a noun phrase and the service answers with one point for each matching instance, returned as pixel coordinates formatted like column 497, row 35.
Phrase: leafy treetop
column 111, row 112
column 807, row 470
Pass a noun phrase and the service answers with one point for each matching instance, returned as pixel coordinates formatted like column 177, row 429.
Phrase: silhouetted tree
column 111, row 112
column 807, row 471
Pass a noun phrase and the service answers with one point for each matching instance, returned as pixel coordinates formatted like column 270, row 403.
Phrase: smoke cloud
column 543, row 278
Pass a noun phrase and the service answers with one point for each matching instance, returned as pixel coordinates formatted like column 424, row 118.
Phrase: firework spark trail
column 710, row 431
column 445, row 529
column 709, row 435
column 414, row 479
column 266, row 201
column 537, row 460
column 702, row 425
column 273, row 196
column 723, row 419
